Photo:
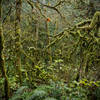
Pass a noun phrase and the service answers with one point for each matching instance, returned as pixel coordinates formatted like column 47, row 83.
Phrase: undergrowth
column 59, row 91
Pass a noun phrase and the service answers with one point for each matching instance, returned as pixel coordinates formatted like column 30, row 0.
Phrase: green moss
column 17, row 40
column 2, row 62
column 95, row 20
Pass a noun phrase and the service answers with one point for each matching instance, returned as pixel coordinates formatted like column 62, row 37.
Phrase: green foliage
column 20, row 93
column 38, row 95
column 60, row 91
column 75, row 52
column 54, row 91
column 50, row 98
column 97, row 93
column 87, row 83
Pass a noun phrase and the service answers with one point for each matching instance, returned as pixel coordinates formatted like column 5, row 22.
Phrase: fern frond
column 21, row 90
column 18, row 94
column 16, row 97
column 45, row 87
column 50, row 98
column 38, row 95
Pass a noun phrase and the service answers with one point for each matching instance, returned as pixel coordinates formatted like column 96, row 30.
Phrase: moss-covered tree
column 2, row 62
column 17, row 40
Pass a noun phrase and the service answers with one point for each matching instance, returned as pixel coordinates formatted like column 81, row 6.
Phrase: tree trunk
column 17, row 40
column 2, row 62
column 36, row 33
column 48, row 41
column 36, row 41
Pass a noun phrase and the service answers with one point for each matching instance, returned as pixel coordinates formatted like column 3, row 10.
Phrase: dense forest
column 49, row 49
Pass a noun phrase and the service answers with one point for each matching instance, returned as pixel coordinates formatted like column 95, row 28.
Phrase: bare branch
column 51, row 7
column 32, row 3
column 8, row 13
column 59, row 3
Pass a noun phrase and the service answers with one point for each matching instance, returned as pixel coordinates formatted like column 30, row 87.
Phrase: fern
column 50, row 98
column 38, row 95
column 54, row 91
column 21, row 90
column 18, row 95
column 46, row 88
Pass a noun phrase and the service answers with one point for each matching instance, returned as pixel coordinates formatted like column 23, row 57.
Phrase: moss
column 17, row 40
column 2, row 62
column 95, row 20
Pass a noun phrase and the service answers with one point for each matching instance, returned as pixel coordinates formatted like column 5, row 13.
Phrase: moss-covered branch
column 94, row 21
column 63, row 34
column 81, row 25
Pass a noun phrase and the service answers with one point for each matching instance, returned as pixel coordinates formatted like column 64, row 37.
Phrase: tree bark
column 17, row 40
column 2, row 62
column 48, row 41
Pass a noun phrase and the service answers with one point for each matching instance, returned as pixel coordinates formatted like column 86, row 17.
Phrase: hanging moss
column 90, row 54
column 86, row 35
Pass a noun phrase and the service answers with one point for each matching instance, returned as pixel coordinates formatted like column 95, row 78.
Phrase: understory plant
column 59, row 91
